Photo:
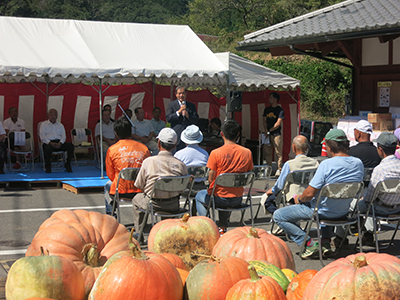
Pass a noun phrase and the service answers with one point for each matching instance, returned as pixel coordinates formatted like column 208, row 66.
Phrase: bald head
column 300, row 144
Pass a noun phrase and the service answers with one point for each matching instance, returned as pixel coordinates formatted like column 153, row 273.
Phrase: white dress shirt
column 50, row 131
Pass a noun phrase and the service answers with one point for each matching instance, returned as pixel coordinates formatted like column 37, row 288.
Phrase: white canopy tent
column 246, row 73
column 52, row 50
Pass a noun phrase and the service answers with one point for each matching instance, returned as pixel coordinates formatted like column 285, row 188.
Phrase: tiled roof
column 348, row 19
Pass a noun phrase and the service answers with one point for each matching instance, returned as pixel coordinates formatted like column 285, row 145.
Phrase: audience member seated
column 129, row 113
column 144, row 131
column 300, row 162
column 126, row 153
column 109, row 137
column 215, row 125
column 163, row 164
column 229, row 158
column 388, row 204
column 52, row 135
column 3, row 148
column 157, row 123
column 397, row 134
column 193, row 154
column 365, row 149
column 339, row 168
column 14, row 124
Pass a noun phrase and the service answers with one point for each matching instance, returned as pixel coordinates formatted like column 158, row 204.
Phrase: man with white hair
column 365, row 149
column 160, row 165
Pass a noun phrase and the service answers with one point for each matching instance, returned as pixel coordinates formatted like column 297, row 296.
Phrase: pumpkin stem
column 253, row 274
column 42, row 253
column 360, row 261
column 253, row 233
column 136, row 252
column 91, row 255
column 185, row 218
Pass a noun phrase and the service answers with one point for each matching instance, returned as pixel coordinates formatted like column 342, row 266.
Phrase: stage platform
column 84, row 177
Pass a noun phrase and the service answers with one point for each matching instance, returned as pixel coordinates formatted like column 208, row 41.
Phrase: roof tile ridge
column 300, row 18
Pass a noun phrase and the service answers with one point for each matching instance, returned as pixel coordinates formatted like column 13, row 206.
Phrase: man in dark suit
column 181, row 113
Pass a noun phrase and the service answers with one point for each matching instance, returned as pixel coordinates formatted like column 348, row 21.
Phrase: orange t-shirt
column 230, row 158
column 125, row 153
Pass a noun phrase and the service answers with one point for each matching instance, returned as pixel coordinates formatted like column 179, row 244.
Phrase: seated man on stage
column 109, row 137
column 52, row 135
column 163, row 164
column 339, row 168
column 229, row 158
column 126, row 153
column 144, row 131
column 14, row 124
column 300, row 162
column 157, row 123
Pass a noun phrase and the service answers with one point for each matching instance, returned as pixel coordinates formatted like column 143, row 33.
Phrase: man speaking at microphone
column 181, row 113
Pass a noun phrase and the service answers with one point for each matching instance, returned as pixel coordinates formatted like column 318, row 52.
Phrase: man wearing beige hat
column 365, row 149
column 162, row 164
column 192, row 155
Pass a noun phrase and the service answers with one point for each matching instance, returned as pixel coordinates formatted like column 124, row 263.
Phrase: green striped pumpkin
column 265, row 268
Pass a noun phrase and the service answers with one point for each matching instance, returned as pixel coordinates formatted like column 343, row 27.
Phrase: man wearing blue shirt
column 339, row 168
column 192, row 155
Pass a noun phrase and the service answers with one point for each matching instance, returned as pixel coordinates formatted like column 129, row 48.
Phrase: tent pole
column 101, row 130
column 228, row 99
column 153, row 79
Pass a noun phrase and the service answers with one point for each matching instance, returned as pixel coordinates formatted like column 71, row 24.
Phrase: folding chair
column 299, row 180
column 26, row 154
column 234, row 180
column 200, row 174
column 167, row 184
column 82, row 145
column 261, row 172
column 336, row 192
column 128, row 174
column 61, row 156
column 367, row 176
column 388, row 186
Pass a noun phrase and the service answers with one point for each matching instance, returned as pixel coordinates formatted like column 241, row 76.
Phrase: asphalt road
column 23, row 211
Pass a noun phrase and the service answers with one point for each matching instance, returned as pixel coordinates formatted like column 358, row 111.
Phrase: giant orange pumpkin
column 46, row 276
column 299, row 284
column 134, row 275
column 212, row 279
column 255, row 244
column 175, row 260
column 264, row 288
column 184, row 237
column 358, row 277
column 86, row 238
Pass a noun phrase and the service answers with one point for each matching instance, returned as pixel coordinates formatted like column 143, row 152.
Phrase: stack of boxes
column 381, row 122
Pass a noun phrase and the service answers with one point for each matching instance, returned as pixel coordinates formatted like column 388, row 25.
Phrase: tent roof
column 125, row 52
column 244, row 72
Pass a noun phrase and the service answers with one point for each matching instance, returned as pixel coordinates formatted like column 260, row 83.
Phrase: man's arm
column 42, row 134
column 211, row 175
column 281, row 180
column 171, row 115
column 307, row 195
column 276, row 125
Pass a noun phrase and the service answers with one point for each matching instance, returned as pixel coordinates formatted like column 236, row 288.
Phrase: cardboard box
column 376, row 126
column 377, row 118
column 386, row 125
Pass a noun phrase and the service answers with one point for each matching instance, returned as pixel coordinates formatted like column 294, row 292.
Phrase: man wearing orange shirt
column 126, row 153
column 230, row 158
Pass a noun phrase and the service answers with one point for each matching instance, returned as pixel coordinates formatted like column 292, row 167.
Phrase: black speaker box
column 235, row 103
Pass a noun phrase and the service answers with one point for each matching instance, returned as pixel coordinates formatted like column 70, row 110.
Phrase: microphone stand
column 123, row 111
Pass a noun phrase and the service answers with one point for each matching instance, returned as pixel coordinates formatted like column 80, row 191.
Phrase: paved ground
column 22, row 212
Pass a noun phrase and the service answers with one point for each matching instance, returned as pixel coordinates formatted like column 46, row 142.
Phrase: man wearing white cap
column 163, row 164
column 193, row 154
column 365, row 149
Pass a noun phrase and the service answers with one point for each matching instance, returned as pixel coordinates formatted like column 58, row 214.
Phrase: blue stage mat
column 86, row 183
column 86, row 172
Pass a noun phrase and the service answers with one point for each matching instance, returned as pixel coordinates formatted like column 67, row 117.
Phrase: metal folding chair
column 200, row 174
column 298, row 179
column 234, row 180
column 367, row 176
column 79, row 145
column 261, row 173
column 336, row 192
column 27, row 154
column 388, row 186
column 167, row 184
column 128, row 174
